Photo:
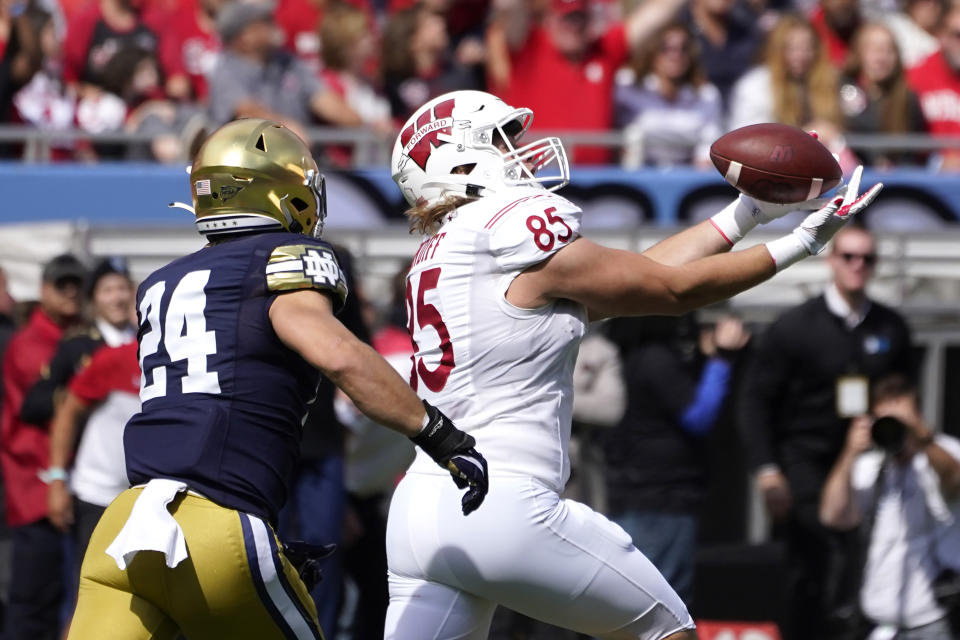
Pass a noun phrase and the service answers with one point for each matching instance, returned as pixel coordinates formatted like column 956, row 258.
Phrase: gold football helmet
column 254, row 175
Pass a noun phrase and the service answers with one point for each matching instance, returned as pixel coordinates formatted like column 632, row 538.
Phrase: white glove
column 819, row 227
column 740, row 216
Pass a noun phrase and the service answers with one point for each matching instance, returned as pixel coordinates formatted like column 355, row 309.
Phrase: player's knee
column 687, row 634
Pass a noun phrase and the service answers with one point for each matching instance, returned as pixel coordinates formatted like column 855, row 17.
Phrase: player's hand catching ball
column 453, row 450
column 819, row 227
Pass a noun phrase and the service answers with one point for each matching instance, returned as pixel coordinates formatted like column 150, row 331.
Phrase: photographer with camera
column 900, row 484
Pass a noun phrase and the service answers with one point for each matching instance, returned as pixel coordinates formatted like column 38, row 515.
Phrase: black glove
column 453, row 450
column 306, row 557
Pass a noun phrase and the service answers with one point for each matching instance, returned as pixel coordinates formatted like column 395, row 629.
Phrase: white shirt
column 113, row 336
column 503, row 374
column 99, row 471
column 839, row 307
column 915, row 535
column 664, row 132
column 751, row 99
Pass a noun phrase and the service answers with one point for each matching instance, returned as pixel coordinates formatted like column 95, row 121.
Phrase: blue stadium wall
column 137, row 194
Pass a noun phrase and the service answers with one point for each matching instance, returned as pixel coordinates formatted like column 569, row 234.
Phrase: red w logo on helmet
column 420, row 139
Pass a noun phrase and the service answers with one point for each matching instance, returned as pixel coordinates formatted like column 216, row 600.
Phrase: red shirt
column 186, row 48
column 837, row 47
column 567, row 94
column 110, row 369
column 90, row 42
column 25, row 448
column 938, row 87
column 299, row 20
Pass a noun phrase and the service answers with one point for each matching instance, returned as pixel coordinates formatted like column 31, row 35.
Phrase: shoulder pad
column 306, row 266
column 531, row 229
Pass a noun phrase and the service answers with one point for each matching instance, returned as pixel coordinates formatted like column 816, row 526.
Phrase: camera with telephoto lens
column 889, row 434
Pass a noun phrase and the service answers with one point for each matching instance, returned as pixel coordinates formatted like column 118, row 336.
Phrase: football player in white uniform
column 498, row 297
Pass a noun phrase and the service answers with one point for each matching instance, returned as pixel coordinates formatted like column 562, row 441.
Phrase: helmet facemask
column 318, row 187
column 529, row 164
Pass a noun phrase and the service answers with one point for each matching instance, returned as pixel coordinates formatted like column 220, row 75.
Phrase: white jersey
column 501, row 373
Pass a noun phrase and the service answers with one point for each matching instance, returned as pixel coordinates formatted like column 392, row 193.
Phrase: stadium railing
column 371, row 148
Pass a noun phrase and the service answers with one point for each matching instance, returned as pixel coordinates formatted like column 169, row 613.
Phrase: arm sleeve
column 701, row 415
column 310, row 265
column 38, row 403
column 531, row 229
column 762, row 390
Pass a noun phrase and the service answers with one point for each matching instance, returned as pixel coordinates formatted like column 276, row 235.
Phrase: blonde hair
column 895, row 103
column 342, row 26
column 815, row 97
column 426, row 219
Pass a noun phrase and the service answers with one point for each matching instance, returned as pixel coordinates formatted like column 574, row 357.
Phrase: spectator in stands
column 808, row 377
column 109, row 291
column 677, row 379
column 299, row 21
column 905, row 497
column 36, row 587
column 915, row 29
column 44, row 101
column 105, row 387
column 836, row 21
column 795, row 85
column 670, row 114
column 348, row 47
column 936, row 81
column 188, row 49
column 875, row 97
column 417, row 62
column 559, row 69
column 254, row 78
column 133, row 77
column 729, row 40
column 23, row 53
column 97, row 33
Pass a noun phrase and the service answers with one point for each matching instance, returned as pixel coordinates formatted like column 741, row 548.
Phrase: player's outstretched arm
column 304, row 321
column 613, row 282
column 724, row 229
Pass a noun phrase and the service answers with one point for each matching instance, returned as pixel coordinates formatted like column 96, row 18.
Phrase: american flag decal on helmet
column 203, row 187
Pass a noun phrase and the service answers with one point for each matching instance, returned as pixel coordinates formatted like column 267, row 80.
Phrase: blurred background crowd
column 669, row 75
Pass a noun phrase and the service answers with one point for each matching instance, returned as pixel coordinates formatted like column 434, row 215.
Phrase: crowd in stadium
column 671, row 74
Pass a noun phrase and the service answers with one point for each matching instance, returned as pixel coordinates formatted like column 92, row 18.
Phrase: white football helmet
column 477, row 132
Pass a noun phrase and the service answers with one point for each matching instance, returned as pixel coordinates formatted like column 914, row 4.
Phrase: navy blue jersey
column 222, row 397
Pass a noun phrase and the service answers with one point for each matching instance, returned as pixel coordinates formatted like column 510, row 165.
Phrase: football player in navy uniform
column 230, row 341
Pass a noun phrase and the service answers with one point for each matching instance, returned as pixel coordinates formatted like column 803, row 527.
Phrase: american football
column 775, row 163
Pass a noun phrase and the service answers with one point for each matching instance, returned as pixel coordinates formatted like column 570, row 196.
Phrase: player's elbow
column 340, row 359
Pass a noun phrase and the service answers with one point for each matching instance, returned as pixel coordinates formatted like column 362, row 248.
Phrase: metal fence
column 370, row 148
